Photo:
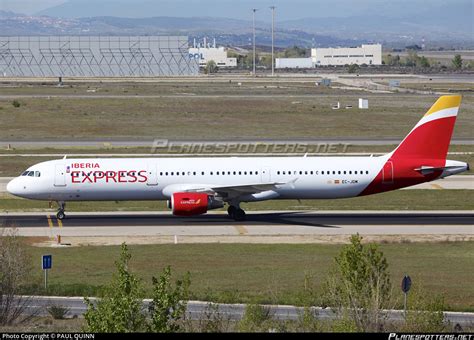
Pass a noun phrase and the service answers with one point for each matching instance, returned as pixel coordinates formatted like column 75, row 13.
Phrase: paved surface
column 453, row 182
column 148, row 143
column 197, row 310
column 257, row 224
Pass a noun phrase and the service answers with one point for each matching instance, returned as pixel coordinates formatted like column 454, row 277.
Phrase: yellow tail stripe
column 444, row 102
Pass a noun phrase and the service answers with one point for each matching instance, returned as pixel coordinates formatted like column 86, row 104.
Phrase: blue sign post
column 47, row 264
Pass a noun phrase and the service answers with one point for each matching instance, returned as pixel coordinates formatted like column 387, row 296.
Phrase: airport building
column 205, row 52
column 95, row 56
column 370, row 54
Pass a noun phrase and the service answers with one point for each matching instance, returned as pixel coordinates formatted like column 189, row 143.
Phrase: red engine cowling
column 188, row 203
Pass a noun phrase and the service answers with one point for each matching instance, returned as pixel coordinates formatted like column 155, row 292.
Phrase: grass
column 261, row 273
column 278, row 116
column 395, row 200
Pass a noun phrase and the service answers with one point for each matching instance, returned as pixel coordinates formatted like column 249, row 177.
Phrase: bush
column 16, row 103
column 58, row 312
column 256, row 318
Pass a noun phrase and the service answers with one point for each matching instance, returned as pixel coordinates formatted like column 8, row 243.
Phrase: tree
column 168, row 305
column 120, row 310
column 457, row 61
column 359, row 284
column 211, row 67
column 424, row 62
column 353, row 68
column 15, row 271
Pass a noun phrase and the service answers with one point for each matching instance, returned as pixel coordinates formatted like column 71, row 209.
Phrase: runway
column 257, row 224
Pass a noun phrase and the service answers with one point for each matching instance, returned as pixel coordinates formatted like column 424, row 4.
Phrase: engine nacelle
column 192, row 203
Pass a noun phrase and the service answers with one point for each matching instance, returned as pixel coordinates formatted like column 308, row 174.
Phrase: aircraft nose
column 14, row 187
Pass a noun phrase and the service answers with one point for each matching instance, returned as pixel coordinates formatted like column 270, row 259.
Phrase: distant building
column 293, row 63
column 206, row 52
column 365, row 54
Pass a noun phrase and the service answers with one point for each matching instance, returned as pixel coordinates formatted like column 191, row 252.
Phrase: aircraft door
column 265, row 175
column 59, row 175
column 152, row 175
column 387, row 173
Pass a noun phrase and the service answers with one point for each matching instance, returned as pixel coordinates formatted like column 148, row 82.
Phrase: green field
column 262, row 273
column 395, row 200
column 218, row 118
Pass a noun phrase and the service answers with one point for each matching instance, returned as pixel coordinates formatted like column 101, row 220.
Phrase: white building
column 365, row 54
column 293, row 63
column 206, row 52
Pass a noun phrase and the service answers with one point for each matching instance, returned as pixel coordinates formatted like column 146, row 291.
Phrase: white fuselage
column 157, row 178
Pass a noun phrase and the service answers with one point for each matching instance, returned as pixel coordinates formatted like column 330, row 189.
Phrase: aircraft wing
column 227, row 191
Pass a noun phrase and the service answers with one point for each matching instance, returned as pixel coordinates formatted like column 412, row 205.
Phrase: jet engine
column 192, row 203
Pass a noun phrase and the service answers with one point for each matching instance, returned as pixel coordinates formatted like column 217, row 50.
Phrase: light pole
column 254, row 58
column 273, row 33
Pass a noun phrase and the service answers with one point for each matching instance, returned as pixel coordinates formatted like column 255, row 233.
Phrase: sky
column 237, row 9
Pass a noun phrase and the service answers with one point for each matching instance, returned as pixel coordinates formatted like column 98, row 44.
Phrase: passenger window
column 367, row 172
column 350, row 172
column 322, row 172
column 355, row 172
column 333, row 172
column 256, row 172
column 344, row 172
column 240, row 172
column 194, row 173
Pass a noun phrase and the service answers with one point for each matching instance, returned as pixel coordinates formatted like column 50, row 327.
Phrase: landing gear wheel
column 239, row 215
column 60, row 215
column 231, row 211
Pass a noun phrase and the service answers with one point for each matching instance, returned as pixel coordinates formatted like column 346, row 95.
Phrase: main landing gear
column 236, row 213
column 61, row 215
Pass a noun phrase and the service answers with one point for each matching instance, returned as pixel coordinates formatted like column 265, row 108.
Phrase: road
column 268, row 224
column 196, row 310
column 453, row 182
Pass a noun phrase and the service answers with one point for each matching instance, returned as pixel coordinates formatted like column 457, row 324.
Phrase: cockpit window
column 37, row 174
column 25, row 173
column 31, row 173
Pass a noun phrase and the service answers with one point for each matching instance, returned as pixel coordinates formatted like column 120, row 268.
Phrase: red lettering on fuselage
column 85, row 165
column 121, row 176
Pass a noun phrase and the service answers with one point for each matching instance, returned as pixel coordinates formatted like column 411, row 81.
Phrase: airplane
column 194, row 185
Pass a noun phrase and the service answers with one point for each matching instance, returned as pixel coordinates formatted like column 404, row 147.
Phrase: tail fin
column 430, row 138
